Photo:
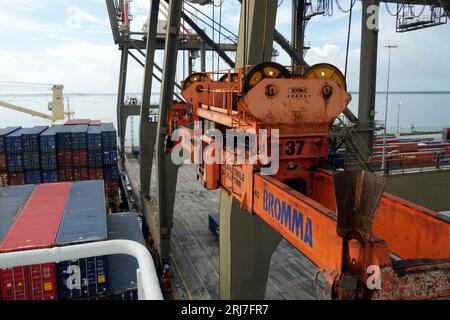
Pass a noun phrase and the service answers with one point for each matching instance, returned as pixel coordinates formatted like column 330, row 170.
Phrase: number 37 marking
column 294, row 147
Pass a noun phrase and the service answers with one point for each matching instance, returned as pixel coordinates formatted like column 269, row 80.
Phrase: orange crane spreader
column 366, row 243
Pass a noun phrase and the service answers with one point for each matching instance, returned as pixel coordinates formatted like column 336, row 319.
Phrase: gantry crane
column 56, row 106
column 366, row 243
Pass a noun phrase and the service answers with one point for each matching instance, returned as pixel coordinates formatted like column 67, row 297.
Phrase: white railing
column 147, row 279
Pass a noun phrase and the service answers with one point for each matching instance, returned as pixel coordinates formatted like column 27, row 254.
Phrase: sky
column 70, row 42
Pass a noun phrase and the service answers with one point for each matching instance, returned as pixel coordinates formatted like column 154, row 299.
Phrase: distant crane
column 56, row 106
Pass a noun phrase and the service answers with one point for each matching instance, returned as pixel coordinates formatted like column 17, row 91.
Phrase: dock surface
column 195, row 250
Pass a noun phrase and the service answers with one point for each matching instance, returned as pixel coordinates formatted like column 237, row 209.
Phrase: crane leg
column 246, row 247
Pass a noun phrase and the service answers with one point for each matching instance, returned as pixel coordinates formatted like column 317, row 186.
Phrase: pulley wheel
column 327, row 71
column 195, row 77
column 234, row 77
column 262, row 71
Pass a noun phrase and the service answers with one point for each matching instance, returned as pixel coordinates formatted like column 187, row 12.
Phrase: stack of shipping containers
column 80, row 152
column 49, row 163
column 84, row 221
column 31, row 156
column 14, row 158
column 110, row 168
column 95, row 154
column 3, row 166
column 64, row 153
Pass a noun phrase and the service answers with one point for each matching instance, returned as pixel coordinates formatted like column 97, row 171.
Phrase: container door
column 42, row 282
column 13, row 283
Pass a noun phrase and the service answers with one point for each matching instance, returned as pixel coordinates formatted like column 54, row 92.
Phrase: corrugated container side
column 65, row 159
column 49, row 161
column 111, row 172
column 95, row 159
column 30, row 138
column 79, row 137
column 16, row 178
column 109, row 157
column 111, row 188
column 31, row 160
column 14, row 162
column 49, row 176
column 48, row 140
column 33, row 177
column 122, row 268
column 80, row 174
column 3, row 166
column 109, row 139
column 3, row 133
column 65, row 175
column 13, row 142
column 94, row 138
column 84, row 221
column 95, row 173
column 80, row 158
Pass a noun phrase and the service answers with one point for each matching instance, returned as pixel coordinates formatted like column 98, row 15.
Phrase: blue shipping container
column 14, row 162
column 109, row 139
column 49, row 176
column 122, row 268
column 13, row 142
column 111, row 172
column 31, row 160
column 95, row 159
column 30, row 138
column 12, row 200
column 33, row 177
column 47, row 140
column 79, row 137
column 3, row 133
column 63, row 137
column 94, row 138
column 109, row 157
column 84, row 220
column 49, row 161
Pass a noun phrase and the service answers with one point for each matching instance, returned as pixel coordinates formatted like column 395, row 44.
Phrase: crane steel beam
column 26, row 110
column 121, row 96
column 247, row 242
column 147, row 131
column 113, row 21
column 167, row 171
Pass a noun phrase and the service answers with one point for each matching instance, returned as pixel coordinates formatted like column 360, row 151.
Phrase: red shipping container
column 434, row 145
column 80, row 158
column 407, row 146
column 3, row 162
column 388, row 140
column 80, row 174
column 16, row 179
column 95, row 173
column 447, row 152
column 65, row 159
column 77, row 122
column 389, row 148
column 415, row 159
column 96, row 123
column 112, row 188
column 65, row 175
column 36, row 227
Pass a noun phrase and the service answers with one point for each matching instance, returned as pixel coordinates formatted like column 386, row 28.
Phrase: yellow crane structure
column 57, row 106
